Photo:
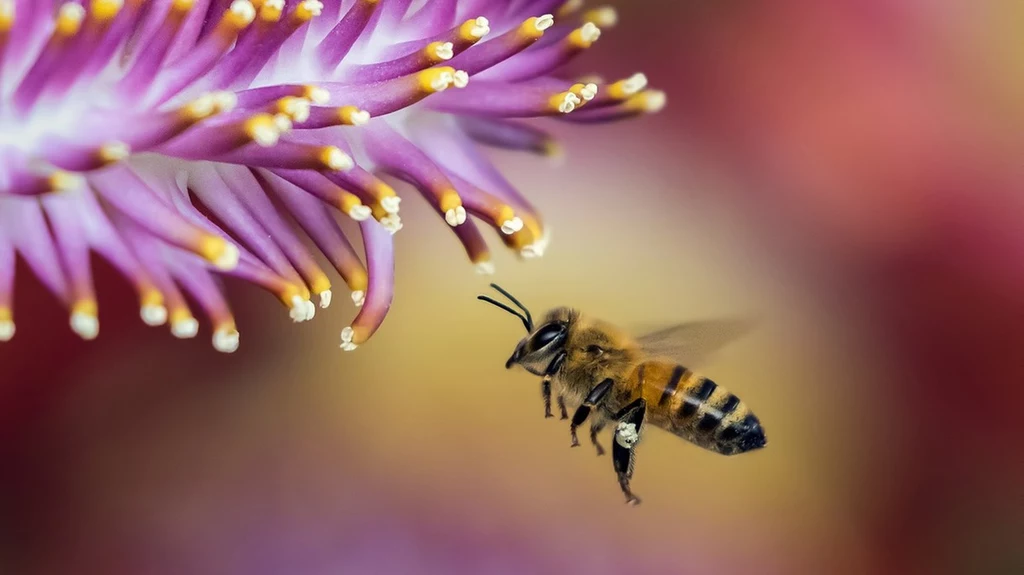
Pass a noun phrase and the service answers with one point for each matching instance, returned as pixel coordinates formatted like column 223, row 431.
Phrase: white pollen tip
column 590, row 32
column 314, row 7
column 7, row 10
column 360, row 213
column 484, row 268
column 225, row 340
column 244, row 10
column 626, row 434
column 153, row 315
column 359, row 298
column 482, row 27
column 441, row 82
column 635, row 83
column 283, row 124
column 656, row 100
column 569, row 102
column 339, row 161
column 455, row 216
column 224, row 101
column 319, row 96
column 606, row 16
column 360, row 118
column 267, row 135
column 310, row 309
column 509, row 227
column 460, row 79
column 229, row 259
column 74, row 12
column 6, row 327
column 115, row 151
column 544, row 22
column 392, row 223
column 298, row 311
column 445, row 51
column 346, row 339
column 390, row 204
column 589, row 92
column 325, row 299
column 299, row 109
column 185, row 328
column 86, row 326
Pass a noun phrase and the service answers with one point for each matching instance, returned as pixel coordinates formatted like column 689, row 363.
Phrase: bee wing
column 692, row 343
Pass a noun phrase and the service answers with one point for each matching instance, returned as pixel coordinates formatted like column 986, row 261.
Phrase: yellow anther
column 649, row 101
column 218, row 251
column 105, row 10
column 150, row 296
column 114, row 152
column 449, row 200
column 347, row 201
column 182, row 5
column 61, row 181
column 584, row 36
column 308, row 9
column 503, row 214
column 474, row 29
column 534, row 27
column 86, row 307
column 6, row 15
column 239, row 15
column 353, row 116
column 262, row 129
column 6, row 316
column 569, row 7
column 436, row 79
column 69, row 19
column 334, row 158
column 320, row 283
column 271, row 11
column 603, row 17
column 438, row 52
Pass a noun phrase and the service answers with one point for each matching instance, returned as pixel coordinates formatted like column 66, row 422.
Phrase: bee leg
column 561, row 406
column 545, row 385
column 627, row 435
column 595, row 397
column 596, row 428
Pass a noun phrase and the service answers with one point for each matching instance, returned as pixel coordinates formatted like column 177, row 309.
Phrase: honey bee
column 606, row 374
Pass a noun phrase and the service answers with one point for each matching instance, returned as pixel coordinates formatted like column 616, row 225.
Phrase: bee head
column 538, row 349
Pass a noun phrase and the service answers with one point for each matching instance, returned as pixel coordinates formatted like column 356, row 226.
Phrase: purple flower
column 177, row 138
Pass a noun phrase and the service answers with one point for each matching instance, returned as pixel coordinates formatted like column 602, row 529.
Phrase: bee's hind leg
column 627, row 435
column 595, row 428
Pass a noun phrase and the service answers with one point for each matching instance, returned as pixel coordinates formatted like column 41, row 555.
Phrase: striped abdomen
column 699, row 410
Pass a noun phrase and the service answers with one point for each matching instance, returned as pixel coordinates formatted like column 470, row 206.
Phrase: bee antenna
column 526, row 322
column 529, row 318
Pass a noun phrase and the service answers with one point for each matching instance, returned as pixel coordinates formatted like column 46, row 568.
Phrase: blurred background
column 849, row 172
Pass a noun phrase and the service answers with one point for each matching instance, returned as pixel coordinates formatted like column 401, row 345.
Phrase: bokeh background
column 848, row 172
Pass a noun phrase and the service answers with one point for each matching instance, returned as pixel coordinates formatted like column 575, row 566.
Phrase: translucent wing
column 693, row 343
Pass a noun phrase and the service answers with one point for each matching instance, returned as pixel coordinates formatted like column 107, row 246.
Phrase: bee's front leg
column 545, row 385
column 596, row 396
column 627, row 435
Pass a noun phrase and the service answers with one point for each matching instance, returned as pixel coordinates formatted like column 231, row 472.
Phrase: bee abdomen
column 716, row 418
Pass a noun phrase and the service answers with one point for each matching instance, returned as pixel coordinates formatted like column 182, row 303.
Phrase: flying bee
column 608, row 375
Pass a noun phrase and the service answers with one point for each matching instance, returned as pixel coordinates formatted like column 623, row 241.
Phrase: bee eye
column 594, row 350
column 547, row 334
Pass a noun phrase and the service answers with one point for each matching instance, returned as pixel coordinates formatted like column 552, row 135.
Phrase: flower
column 176, row 138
